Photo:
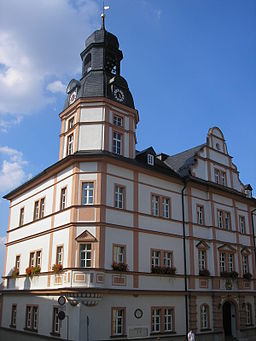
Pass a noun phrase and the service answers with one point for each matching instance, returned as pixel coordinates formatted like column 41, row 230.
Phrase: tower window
column 85, row 255
column 117, row 143
column 70, row 144
column 118, row 121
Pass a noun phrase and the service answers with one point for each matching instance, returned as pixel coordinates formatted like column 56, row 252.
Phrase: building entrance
column 229, row 319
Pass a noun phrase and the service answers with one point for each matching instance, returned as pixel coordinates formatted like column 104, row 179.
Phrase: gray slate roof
column 182, row 162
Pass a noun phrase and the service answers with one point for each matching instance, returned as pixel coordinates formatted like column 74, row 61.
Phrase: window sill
column 31, row 330
column 118, row 336
column 205, row 329
column 162, row 333
column 55, row 334
column 12, row 326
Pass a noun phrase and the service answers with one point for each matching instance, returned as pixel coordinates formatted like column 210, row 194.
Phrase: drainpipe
column 253, row 235
column 185, row 256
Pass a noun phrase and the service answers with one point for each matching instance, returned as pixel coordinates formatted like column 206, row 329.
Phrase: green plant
column 57, row 268
column 33, row 270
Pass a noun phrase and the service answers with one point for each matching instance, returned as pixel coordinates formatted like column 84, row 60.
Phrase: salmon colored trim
column 191, row 240
column 208, row 164
column 237, row 239
column 135, row 229
column 213, row 235
column 52, row 227
column 251, row 240
column 102, row 232
column 61, row 139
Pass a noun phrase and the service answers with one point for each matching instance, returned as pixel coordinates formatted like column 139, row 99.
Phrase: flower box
column 229, row 274
column 247, row 276
column 204, row 272
column 120, row 267
column 57, row 268
column 33, row 271
column 165, row 270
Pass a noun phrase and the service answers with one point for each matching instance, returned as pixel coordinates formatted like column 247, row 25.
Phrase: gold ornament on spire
column 103, row 15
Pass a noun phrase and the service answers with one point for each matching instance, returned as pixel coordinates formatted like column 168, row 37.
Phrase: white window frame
column 156, row 320
column 87, row 193
column 155, row 205
column 117, row 143
column 119, row 196
column 118, row 321
column 166, row 207
column 118, row 121
column 204, row 317
column 168, row 319
column 85, row 255
column 70, row 141
column 119, row 253
column 155, row 258
column 202, row 260
column 167, row 259
column 63, row 194
column 242, row 225
column 59, row 255
column 151, row 159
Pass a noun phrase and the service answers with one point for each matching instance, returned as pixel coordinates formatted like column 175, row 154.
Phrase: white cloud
column 57, row 86
column 12, row 172
column 40, row 42
column 2, row 240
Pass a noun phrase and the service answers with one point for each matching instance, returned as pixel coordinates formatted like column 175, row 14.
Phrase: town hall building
column 115, row 243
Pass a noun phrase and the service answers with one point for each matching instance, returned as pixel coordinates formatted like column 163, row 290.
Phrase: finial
column 104, row 8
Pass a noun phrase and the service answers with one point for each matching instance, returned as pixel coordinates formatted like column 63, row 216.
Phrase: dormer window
column 151, row 159
column 118, row 121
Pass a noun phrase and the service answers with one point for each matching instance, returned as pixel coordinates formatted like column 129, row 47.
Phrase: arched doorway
column 229, row 318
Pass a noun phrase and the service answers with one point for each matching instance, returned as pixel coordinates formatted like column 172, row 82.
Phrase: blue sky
column 190, row 64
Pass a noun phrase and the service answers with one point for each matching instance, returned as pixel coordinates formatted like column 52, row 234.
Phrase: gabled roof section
column 182, row 162
column 202, row 245
column 227, row 248
column 86, row 236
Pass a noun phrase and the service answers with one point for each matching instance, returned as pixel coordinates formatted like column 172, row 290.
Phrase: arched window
column 248, row 310
column 204, row 313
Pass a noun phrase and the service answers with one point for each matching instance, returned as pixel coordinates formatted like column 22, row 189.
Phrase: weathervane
column 104, row 8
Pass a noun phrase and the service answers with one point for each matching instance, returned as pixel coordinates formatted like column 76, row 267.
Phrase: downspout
column 253, row 235
column 185, row 256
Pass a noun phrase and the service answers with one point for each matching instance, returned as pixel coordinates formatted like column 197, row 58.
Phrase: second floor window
column 119, row 254
column 156, row 260
column 166, row 207
column 63, row 198
column 39, row 208
column 70, row 144
column 119, row 197
column 87, row 193
column 200, row 214
column 36, row 210
column 245, row 264
column 35, row 258
column 17, row 263
column 202, row 260
column 167, row 259
column 224, row 220
column 59, row 255
column 42, row 208
column 85, row 255
column 226, row 262
column 117, row 143
column 242, row 228
column 118, row 121
column 21, row 222
column 155, row 205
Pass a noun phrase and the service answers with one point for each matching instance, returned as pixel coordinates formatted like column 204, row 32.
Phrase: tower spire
column 103, row 15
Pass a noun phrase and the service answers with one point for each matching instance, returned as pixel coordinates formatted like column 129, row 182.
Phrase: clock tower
column 99, row 113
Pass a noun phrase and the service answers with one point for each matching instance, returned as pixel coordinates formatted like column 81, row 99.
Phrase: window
column 63, row 198
column 151, row 159
column 200, row 214
column 167, row 259
column 202, row 260
column 39, row 209
column 160, row 206
column 242, row 227
column 59, row 255
column 36, row 210
column 35, row 258
column 85, row 255
column 156, row 320
column 117, row 143
column 245, row 264
column 155, row 205
column 224, row 220
column 119, row 254
column 161, row 258
column 204, row 310
column 118, row 321
column 119, row 196
column 21, row 221
column 13, row 316
column 17, row 264
column 118, row 121
column 162, row 319
column 31, row 318
column 220, row 177
column 71, row 123
column 226, row 262
column 166, row 207
column 42, row 208
column 87, row 193
column 156, row 261
column 55, row 321
column 70, row 144
column 248, row 311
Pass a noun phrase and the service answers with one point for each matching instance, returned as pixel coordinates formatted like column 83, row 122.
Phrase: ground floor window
column 55, row 321
column 248, row 309
column 118, row 321
column 162, row 319
column 31, row 321
column 204, row 310
column 13, row 316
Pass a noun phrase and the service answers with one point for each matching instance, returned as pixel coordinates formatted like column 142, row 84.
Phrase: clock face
column 119, row 95
column 72, row 97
